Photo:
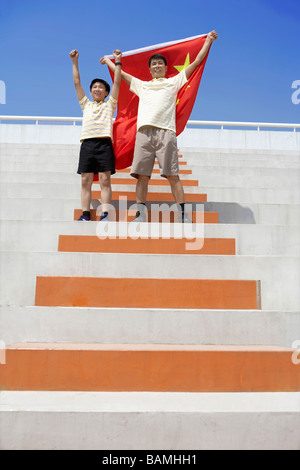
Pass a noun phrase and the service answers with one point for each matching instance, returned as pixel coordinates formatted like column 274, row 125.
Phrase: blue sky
column 248, row 75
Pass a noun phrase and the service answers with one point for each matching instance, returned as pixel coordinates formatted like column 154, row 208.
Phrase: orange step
column 155, row 171
column 152, row 182
column 147, row 293
column 209, row 217
column 155, row 196
column 157, row 368
column 93, row 244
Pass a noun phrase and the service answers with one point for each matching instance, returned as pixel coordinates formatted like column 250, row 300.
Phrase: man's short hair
column 96, row 80
column 157, row 57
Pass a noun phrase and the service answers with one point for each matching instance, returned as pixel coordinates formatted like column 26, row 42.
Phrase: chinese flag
column 179, row 55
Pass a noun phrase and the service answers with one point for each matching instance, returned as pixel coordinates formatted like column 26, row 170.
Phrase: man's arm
column 212, row 36
column 76, row 77
column 124, row 76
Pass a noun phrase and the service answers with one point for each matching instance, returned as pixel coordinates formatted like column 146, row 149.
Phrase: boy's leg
column 86, row 190
column 105, row 185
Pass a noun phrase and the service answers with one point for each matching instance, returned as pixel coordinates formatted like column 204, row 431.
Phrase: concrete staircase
column 160, row 336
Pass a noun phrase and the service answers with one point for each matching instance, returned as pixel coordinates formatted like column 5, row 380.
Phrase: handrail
column 222, row 124
column 244, row 124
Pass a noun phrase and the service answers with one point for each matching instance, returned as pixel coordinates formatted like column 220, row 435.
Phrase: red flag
column 179, row 55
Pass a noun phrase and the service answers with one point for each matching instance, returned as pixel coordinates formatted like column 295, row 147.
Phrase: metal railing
column 221, row 124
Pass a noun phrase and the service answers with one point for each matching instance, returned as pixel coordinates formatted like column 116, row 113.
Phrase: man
column 156, row 126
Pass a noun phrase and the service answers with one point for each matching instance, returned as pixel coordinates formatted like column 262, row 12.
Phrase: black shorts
column 96, row 156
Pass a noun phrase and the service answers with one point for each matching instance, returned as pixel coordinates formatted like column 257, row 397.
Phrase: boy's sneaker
column 84, row 218
column 104, row 217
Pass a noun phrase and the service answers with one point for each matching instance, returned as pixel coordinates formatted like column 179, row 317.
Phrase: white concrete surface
column 234, row 173
column 252, row 181
column 281, row 180
column 223, row 194
column 149, row 421
column 255, row 239
column 148, row 326
column 229, row 212
column 201, row 138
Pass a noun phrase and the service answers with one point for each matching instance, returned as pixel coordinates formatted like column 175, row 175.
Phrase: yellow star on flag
column 185, row 65
column 184, row 92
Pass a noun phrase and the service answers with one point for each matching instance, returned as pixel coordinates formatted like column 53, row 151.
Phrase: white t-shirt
column 97, row 118
column 157, row 105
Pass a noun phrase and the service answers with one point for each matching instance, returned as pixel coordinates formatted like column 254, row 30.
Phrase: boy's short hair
column 157, row 57
column 107, row 86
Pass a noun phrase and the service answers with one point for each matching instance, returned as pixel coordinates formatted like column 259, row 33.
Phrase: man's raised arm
column 125, row 76
column 212, row 36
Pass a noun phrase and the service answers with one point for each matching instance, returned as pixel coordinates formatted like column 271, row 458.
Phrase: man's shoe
column 104, row 218
column 182, row 216
column 84, row 218
column 139, row 217
column 186, row 219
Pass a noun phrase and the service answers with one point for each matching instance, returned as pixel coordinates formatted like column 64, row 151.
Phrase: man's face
column 99, row 92
column 158, row 69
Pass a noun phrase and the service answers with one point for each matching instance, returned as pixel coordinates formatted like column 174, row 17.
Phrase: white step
column 148, row 326
column 280, row 180
column 33, row 172
column 241, row 154
column 223, row 194
column 149, row 421
column 20, row 235
column 63, row 210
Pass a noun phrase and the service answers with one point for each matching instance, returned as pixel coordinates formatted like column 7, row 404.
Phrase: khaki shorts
column 154, row 142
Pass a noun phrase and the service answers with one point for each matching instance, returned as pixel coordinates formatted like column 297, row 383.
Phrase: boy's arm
column 117, row 76
column 124, row 76
column 76, row 77
column 212, row 36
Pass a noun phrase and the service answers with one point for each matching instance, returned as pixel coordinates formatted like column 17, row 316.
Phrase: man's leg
column 176, row 188
column 105, row 185
column 178, row 193
column 142, row 189
column 141, row 196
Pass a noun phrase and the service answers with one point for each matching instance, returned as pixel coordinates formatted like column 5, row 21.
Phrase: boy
column 156, row 127
column 96, row 152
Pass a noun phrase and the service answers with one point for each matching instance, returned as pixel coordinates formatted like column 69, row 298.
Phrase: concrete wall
column 194, row 138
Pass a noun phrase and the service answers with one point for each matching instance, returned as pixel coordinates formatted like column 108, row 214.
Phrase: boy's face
column 98, row 92
column 158, row 68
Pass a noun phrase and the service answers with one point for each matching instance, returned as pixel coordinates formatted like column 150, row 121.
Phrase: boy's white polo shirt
column 97, row 118
column 157, row 104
